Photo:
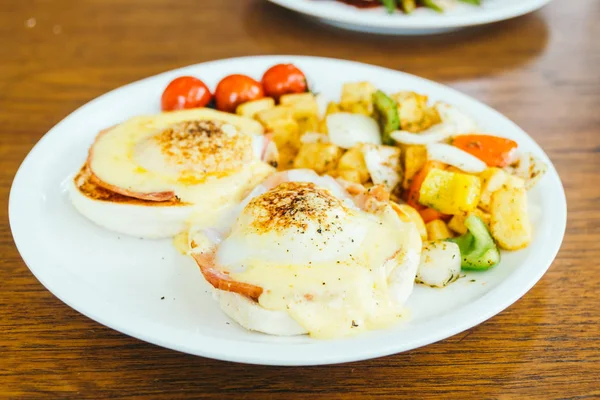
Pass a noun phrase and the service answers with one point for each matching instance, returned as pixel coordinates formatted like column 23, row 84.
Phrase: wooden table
column 541, row 70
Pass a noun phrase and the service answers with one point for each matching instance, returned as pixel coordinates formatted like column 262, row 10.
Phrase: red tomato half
column 283, row 79
column 234, row 90
column 185, row 92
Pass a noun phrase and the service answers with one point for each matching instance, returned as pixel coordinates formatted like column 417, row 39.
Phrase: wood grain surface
column 541, row 70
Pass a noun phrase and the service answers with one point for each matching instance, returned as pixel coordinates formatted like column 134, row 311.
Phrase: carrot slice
column 493, row 150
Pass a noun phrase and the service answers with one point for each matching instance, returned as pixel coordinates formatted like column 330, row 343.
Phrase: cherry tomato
column 282, row 79
column 185, row 92
column 234, row 90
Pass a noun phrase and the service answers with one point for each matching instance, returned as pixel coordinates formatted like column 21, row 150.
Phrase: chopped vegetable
column 357, row 97
column 494, row 179
column 387, row 111
column 413, row 191
column 347, row 130
column 474, row 2
column 437, row 230
column 251, row 108
column 456, row 157
column 352, row 167
column 408, row 6
column 450, row 192
column 493, row 150
column 383, row 163
column 440, row 264
column 530, row 168
column 433, row 5
column 510, row 223
column 415, row 158
column 477, row 248
column 390, row 5
column 304, row 105
column 457, row 223
column 454, row 123
column 320, row 157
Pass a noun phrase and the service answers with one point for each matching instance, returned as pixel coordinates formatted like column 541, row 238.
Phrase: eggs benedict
column 303, row 255
column 151, row 174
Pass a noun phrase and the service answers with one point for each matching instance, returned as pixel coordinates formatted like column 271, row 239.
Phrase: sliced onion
column 437, row 133
column 456, row 157
column 383, row 164
column 347, row 130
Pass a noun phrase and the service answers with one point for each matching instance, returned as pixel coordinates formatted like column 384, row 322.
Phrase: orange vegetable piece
column 493, row 150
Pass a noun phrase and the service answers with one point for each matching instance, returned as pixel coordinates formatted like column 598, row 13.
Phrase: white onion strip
column 456, row 157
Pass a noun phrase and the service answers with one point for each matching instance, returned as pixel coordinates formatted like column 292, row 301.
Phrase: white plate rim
column 501, row 297
column 359, row 18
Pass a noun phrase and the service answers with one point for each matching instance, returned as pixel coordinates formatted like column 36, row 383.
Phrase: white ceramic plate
column 119, row 281
column 421, row 21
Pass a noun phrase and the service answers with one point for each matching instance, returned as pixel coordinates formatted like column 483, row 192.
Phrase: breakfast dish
column 368, row 205
column 402, row 17
column 150, row 174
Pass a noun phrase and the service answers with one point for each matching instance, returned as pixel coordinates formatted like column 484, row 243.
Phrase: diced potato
column 321, row 157
column 286, row 132
column 457, row 223
column 287, row 155
column 360, row 93
column 409, row 214
column 332, row 108
column 494, row 179
column 415, row 114
column 304, row 105
column 437, row 230
column 360, row 108
column 308, row 124
column 270, row 116
column 350, row 175
column 510, row 225
column 251, row 108
column 353, row 160
column 450, row 192
column 415, row 158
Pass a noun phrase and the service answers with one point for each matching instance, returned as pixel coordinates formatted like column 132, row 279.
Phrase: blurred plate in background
column 420, row 22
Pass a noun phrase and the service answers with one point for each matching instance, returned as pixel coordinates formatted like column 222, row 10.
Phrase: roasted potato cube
column 360, row 93
column 415, row 114
column 493, row 179
column 332, row 108
column 450, row 192
column 272, row 115
column 457, row 223
column 437, row 230
column 510, row 225
column 415, row 158
column 350, row 175
column 353, row 160
column 286, row 132
column 308, row 124
column 409, row 214
column 251, row 108
column 321, row 157
column 287, row 154
column 304, row 105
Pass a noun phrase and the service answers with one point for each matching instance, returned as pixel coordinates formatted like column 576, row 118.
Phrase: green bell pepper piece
column 477, row 247
column 390, row 5
column 433, row 5
column 387, row 113
column 474, row 2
